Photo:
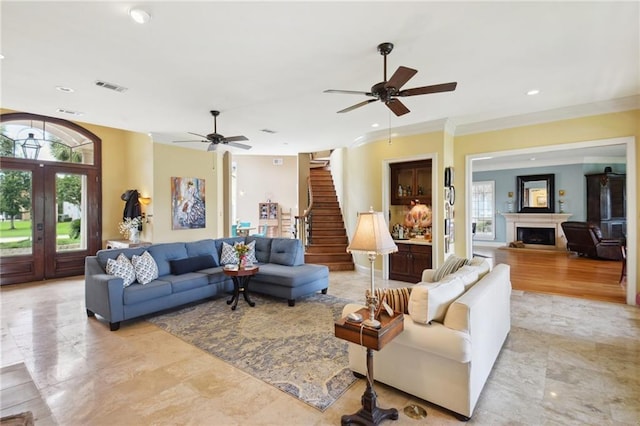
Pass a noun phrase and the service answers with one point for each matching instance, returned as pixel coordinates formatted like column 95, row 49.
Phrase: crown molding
column 458, row 127
column 558, row 114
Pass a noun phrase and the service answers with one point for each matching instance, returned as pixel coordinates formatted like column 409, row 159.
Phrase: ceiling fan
column 388, row 91
column 215, row 138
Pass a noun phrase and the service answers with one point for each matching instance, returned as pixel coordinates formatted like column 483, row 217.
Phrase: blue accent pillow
column 190, row 264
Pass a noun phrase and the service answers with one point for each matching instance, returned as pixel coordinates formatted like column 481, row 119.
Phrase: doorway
column 50, row 206
column 627, row 146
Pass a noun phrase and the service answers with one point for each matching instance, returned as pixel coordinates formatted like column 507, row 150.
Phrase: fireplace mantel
column 537, row 220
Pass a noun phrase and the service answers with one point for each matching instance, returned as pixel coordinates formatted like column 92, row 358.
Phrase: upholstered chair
column 586, row 239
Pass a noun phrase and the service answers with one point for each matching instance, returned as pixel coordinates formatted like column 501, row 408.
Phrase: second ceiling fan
column 389, row 91
column 215, row 138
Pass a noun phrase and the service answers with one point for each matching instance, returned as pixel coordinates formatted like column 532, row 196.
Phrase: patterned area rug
column 293, row 349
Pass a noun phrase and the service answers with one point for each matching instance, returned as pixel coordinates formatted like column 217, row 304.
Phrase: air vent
column 70, row 112
column 111, row 86
column 268, row 131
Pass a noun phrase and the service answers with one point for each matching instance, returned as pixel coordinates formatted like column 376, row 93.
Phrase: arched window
column 46, row 139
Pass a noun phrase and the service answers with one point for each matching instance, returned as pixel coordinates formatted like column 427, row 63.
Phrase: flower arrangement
column 129, row 225
column 241, row 250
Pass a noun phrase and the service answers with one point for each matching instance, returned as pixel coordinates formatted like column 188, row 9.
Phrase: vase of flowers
column 242, row 251
column 130, row 228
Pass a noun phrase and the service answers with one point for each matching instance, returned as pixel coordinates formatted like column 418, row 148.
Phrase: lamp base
column 371, row 323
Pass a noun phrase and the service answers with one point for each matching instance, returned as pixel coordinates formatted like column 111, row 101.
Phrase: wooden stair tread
column 328, row 239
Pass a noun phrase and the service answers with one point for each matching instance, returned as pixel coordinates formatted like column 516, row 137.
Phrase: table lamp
column 373, row 238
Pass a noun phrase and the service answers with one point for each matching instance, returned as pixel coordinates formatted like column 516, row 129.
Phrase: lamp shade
column 372, row 235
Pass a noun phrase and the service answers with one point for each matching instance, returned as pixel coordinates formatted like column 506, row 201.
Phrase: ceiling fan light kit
column 388, row 91
column 214, row 139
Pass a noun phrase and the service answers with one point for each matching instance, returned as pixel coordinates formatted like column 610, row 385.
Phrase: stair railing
column 302, row 227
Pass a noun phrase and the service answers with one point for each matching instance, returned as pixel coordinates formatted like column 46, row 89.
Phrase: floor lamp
column 373, row 238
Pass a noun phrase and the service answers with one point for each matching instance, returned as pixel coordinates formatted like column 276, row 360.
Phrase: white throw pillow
column 228, row 255
column 429, row 302
column 122, row 267
column 468, row 275
column 452, row 264
column 481, row 265
column 146, row 268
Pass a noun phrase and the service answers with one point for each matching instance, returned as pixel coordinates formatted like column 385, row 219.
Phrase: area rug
column 291, row 348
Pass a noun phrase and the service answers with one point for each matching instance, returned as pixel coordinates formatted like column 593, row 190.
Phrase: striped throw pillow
column 452, row 264
column 397, row 298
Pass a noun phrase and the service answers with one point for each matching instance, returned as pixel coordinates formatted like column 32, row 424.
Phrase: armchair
column 586, row 239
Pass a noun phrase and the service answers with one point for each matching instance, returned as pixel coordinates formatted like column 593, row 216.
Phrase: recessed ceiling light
column 375, row 125
column 1, row 56
column 532, row 158
column 533, row 92
column 64, row 89
column 140, row 16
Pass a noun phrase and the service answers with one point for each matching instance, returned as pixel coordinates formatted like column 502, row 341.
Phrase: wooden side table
column 241, row 278
column 372, row 339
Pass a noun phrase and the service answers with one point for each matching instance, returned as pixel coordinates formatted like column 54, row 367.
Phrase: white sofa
column 446, row 363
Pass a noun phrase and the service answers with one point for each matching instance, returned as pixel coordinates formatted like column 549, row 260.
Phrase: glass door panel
column 71, row 226
column 16, row 229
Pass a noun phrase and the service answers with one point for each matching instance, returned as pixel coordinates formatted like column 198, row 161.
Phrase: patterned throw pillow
column 397, row 298
column 122, row 267
column 452, row 264
column 146, row 268
column 251, row 253
column 228, row 255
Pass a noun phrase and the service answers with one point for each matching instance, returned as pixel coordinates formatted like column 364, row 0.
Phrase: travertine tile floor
column 566, row 361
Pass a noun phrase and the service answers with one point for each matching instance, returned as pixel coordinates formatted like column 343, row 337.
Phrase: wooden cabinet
column 411, row 181
column 607, row 203
column 409, row 261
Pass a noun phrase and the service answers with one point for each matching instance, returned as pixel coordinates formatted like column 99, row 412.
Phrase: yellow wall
column 123, row 167
column 171, row 161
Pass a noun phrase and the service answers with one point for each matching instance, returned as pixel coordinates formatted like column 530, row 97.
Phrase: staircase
column 327, row 242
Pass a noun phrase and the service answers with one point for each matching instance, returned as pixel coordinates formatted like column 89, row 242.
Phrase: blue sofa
column 282, row 274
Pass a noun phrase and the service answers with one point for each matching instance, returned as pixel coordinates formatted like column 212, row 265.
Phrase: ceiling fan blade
column 234, row 139
column 348, row 92
column 436, row 88
column 397, row 107
column 358, row 105
column 192, row 140
column 239, row 145
column 197, row 134
column 400, row 77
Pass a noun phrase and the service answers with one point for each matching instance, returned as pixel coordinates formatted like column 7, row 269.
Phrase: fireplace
column 541, row 236
column 541, row 227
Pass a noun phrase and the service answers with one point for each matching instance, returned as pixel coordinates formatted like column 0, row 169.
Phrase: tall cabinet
column 270, row 217
column 607, row 203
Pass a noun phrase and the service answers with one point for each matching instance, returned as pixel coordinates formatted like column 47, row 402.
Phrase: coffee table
column 241, row 278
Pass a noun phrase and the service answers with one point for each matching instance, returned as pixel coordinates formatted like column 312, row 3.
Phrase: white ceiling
column 265, row 64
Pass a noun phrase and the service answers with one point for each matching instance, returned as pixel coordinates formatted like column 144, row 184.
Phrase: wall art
column 187, row 203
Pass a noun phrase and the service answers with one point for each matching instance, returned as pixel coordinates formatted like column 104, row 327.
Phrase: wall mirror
column 535, row 194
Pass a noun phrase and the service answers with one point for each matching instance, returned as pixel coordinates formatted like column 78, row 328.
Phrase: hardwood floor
column 562, row 273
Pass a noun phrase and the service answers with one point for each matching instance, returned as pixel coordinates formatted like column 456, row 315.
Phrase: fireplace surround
column 549, row 221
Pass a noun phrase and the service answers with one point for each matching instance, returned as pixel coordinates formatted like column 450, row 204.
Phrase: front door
column 49, row 206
